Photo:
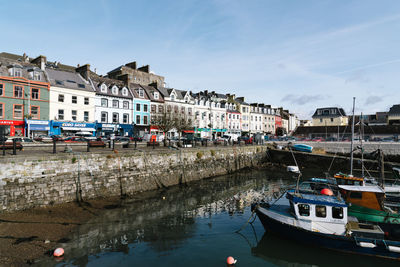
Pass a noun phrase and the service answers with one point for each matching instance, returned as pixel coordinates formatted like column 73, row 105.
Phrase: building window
column 36, row 76
column 125, row 91
column 156, row 95
column 115, row 104
column 1, row 89
column 320, row 120
column 1, row 110
column 114, row 90
column 73, row 114
column 145, row 120
column 189, row 111
column 176, row 109
column 74, row 99
column 144, row 108
column 331, row 119
column 103, row 88
column 104, row 102
column 60, row 98
column 35, row 112
column 172, row 98
column 304, row 210
column 320, row 211
column 35, row 93
column 18, row 91
column 86, row 101
column 125, row 118
column 169, row 108
column 153, row 108
column 104, row 117
column 137, row 107
column 141, row 93
column 126, row 104
column 115, row 117
column 137, row 119
column 17, row 72
column 18, row 112
column 86, row 115
column 160, row 109
column 183, row 110
column 60, row 114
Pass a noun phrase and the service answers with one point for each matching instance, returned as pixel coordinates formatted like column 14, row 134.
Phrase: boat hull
column 389, row 222
column 302, row 148
column 328, row 241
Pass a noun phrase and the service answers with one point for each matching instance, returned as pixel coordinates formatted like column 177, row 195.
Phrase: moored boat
column 302, row 148
column 323, row 221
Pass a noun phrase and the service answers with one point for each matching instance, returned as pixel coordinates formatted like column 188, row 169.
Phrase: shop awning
column 78, row 129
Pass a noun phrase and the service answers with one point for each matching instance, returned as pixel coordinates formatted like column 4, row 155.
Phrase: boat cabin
column 319, row 213
column 343, row 179
column 369, row 196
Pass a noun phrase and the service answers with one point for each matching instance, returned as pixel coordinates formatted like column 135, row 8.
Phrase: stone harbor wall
column 43, row 180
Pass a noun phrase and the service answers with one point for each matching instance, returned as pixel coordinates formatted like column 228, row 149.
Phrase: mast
column 352, row 136
column 361, row 142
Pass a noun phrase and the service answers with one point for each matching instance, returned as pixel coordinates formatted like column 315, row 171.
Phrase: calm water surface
column 194, row 225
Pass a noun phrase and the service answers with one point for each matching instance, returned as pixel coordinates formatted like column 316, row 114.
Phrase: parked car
column 75, row 139
column 331, row 139
column 246, row 139
column 136, row 138
column 57, row 138
column 388, row 139
column 43, row 138
column 21, row 139
column 318, row 139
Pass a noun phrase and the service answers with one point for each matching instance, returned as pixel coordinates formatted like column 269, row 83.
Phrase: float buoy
column 230, row 260
column 326, row 191
column 58, row 252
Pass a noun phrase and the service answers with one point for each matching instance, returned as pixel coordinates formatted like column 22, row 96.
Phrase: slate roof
column 97, row 81
column 339, row 112
column 135, row 90
column 394, row 110
column 67, row 79
column 150, row 92
column 7, row 62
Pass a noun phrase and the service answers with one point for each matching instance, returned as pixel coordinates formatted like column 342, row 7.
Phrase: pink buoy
column 230, row 260
column 58, row 252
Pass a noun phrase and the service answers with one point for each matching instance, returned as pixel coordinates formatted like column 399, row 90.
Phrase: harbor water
column 196, row 225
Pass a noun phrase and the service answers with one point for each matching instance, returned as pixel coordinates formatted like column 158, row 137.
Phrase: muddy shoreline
column 26, row 236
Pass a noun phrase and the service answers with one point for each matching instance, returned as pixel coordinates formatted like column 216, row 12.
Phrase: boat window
column 304, row 210
column 356, row 194
column 337, row 212
column 320, row 211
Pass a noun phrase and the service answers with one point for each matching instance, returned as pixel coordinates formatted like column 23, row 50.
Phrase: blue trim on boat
column 315, row 199
column 302, row 148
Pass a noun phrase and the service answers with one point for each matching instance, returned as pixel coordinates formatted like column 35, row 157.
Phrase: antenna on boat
column 352, row 136
column 299, row 172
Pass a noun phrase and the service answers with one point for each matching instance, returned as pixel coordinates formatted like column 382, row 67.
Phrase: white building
column 113, row 106
column 71, row 100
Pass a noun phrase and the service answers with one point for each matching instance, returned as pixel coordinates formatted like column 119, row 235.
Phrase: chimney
column 145, row 68
column 131, row 65
column 25, row 58
column 124, row 78
column 84, row 71
column 40, row 61
column 154, row 84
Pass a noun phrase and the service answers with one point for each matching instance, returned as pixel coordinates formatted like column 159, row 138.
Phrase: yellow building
column 331, row 116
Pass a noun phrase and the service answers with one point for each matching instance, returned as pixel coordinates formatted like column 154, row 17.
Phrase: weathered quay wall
column 389, row 148
column 42, row 180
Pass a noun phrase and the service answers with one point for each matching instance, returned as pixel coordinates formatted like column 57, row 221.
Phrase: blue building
column 141, row 109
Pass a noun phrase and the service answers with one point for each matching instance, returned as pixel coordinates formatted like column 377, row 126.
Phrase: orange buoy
column 230, row 260
column 58, row 252
column 326, row 191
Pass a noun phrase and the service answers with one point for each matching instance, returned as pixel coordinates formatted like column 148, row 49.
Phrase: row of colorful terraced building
column 42, row 97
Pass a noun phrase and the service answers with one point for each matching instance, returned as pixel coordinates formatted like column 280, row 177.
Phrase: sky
column 300, row 55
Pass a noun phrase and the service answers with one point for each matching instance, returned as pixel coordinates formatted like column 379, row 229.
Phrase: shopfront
column 107, row 129
column 72, row 128
column 13, row 128
column 37, row 127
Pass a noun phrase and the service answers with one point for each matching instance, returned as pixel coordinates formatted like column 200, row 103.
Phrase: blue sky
column 297, row 54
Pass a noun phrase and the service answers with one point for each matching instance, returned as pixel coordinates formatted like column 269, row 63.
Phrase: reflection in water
column 284, row 252
column 198, row 221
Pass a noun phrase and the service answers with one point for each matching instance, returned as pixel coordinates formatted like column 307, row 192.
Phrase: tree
column 182, row 123
column 164, row 122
